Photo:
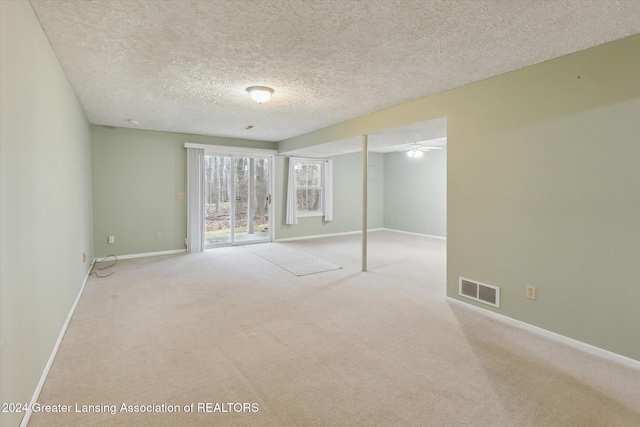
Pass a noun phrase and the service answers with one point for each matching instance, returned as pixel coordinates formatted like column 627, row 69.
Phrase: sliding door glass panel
column 241, row 192
column 236, row 200
column 251, row 220
column 218, row 192
column 260, row 208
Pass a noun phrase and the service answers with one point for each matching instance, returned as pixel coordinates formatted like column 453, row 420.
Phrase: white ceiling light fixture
column 260, row 94
column 417, row 150
column 414, row 152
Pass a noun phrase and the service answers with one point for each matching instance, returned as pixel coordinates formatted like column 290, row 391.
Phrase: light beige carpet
column 340, row 348
column 292, row 260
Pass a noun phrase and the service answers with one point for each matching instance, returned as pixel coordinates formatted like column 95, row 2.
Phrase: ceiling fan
column 417, row 150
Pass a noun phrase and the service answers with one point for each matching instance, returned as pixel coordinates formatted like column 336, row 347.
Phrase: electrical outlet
column 84, row 257
column 530, row 291
column 112, row 239
column 180, row 196
column 158, row 235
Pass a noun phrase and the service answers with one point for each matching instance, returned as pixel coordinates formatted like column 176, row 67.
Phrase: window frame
column 321, row 187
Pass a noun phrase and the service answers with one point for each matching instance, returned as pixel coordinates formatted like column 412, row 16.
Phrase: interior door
column 237, row 204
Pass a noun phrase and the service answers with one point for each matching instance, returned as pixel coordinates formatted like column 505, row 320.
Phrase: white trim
column 307, row 159
column 226, row 149
column 415, row 234
column 309, row 214
column 148, row 254
column 588, row 348
column 317, row 236
column 54, row 352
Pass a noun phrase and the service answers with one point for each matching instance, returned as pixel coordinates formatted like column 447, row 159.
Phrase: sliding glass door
column 237, row 204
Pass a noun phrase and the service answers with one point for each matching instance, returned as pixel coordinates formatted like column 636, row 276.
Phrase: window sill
column 308, row 214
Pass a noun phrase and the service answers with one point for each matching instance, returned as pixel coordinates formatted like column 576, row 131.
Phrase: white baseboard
column 148, row 254
column 591, row 349
column 415, row 234
column 316, row 236
column 47, row 368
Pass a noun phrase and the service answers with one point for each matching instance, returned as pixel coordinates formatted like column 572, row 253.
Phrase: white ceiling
column 183, row 65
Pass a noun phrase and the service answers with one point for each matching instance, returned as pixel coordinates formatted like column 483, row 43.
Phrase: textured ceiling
column 183, row 66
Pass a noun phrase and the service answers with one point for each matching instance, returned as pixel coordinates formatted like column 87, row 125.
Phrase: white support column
column 365, row 167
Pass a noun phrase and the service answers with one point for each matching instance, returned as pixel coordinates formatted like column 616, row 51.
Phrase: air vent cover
column 480, row 292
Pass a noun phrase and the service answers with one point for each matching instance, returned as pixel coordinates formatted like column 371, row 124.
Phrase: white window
column 309, row 187
column 309, row 190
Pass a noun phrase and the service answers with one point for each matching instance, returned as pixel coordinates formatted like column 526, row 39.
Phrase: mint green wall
column 415, row 193
column 375, row 192
column 542, row 189
column 347, row 198
column 137, row 176
column 45, row 219
column 410, row 193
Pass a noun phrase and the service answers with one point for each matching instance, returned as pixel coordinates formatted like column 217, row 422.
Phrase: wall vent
column 480, row 292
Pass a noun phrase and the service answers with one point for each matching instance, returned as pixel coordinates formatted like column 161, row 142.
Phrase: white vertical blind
column 328, row 190
column 292, row 204
column 195, row 195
